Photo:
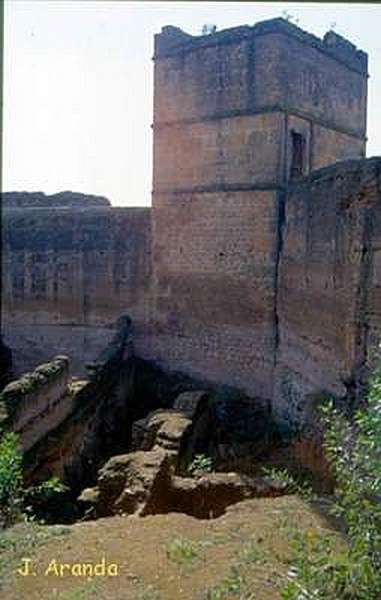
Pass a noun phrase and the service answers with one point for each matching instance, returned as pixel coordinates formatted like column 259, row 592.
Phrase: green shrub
column 353, row 449
column 183, row 552
column 294, row 485
column 11, row 484
column 15, row 499
column 200, row 465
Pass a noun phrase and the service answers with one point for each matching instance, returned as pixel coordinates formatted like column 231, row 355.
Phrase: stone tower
column 253, row 107
column 238, row 116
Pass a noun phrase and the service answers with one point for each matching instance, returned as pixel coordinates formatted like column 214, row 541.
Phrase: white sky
column 78, row 85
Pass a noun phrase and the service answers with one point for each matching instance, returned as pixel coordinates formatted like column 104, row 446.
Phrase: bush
column 11, row 484
column 353, row 449
column 15, row 499
column 294, row 485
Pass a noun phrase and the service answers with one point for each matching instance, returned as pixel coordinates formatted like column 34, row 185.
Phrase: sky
column 78, row 84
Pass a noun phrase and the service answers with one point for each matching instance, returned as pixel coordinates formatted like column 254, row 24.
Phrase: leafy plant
column 200, row 465
column 293, row 485
column 183, row 552
column 231, row 585
column 11, row 483
column 353, row 449
column 15, row 499
column 45, row 491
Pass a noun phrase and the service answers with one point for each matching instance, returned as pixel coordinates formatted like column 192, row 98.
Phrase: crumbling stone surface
column 142, row 483
column 190, row 402
column 130, row 483
column 148, row 480
column 180, row 431
column 208, row 496
column 37, row 402
column 162, row 428
column 70, row 275
column 329, row 288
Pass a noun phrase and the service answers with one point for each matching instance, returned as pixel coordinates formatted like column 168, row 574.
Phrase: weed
column 230, row 585
column 200, row 465
column 183, row 552
column 149, row 594
column 294, row 485
column 252, row 553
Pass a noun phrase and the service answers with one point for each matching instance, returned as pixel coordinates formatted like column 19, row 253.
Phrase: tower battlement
column 174, row 40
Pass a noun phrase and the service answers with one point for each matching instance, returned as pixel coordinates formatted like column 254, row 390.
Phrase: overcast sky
column 78, row 84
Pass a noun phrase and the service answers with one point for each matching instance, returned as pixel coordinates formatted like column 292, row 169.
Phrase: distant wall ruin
column 68, row 274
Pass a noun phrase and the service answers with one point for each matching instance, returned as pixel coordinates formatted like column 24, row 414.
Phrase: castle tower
column 238, row 116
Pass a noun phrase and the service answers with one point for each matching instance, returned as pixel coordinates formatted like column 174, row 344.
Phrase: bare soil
column 242, row 554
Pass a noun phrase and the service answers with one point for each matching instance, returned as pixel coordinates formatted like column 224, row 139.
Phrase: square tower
column 238, row 115
column 253, row 107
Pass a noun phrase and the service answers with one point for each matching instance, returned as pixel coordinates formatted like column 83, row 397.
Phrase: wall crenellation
column 173, row 40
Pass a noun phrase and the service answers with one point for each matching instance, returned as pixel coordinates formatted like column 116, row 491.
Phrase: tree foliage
column 353, row 449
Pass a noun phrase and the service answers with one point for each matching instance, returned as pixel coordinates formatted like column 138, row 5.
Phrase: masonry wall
column 329, row 286
column 312, row 78
column 215, row 260
column 67, row 277
column 232, row 152
column 37, row 402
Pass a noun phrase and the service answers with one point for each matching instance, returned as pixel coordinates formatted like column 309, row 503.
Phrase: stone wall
column 329, row 287
column 233, row 153
column 215, row 263
column 67, row 276
column 37, row 402
column 67, row 426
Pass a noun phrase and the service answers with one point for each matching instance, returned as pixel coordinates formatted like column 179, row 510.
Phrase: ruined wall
column 67, row 427
column 329, row 287
column 37, row 402
column 67, row 276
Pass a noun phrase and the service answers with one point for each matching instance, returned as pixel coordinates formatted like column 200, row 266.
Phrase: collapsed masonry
column 157, row 421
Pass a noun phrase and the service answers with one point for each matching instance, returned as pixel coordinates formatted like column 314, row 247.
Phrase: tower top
column 173, row 40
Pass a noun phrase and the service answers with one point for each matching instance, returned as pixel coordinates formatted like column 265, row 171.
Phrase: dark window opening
column 298, row 154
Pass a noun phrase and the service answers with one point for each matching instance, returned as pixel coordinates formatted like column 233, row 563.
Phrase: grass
column 83, row 592
column 231, row 585
column 246, row 555
column 238, row 576
column 91, row 590
column 252, row 553
column 21, row 541
column 149, row 594
column 183, row 552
